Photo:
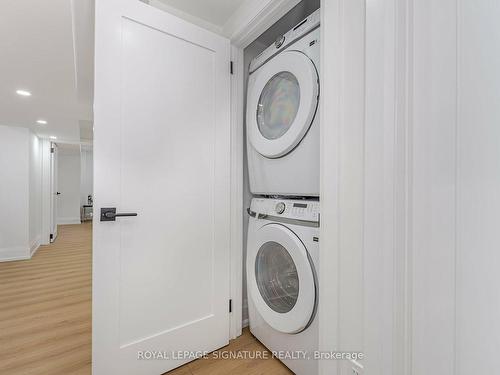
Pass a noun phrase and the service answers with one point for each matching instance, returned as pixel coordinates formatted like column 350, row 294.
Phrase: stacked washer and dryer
column 283, row 162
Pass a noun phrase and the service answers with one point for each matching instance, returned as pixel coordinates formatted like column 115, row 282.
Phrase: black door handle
column 110, row 214
column 58, row 193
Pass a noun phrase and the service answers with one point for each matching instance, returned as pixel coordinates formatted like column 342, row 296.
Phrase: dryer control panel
column 302, row 28
column 297, row 209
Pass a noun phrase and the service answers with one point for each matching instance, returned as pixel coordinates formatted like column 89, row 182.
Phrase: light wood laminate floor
column 45, row 308
column 45, row 316
column 246, row 343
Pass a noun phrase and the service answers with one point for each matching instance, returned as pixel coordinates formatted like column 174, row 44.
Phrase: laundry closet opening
column 281, row 185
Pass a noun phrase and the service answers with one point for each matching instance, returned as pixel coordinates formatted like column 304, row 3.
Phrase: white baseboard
column 9, row 254
column 68, row 220
column 35, row 244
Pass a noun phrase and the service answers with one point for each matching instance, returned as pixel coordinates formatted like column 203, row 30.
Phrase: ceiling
column 214, row 13
column 47, row 49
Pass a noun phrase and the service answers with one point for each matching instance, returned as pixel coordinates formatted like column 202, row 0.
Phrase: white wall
column 432, row 193
column 68, row 203
column 455, row 189
column 477, row 177
column 20, row 193
column 14, row 192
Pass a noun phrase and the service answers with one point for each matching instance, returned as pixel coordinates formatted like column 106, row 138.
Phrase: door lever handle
column 110, row 214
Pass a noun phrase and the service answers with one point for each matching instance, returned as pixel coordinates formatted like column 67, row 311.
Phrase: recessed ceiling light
column 41, row 122
column 23, row 93
column 52, row 137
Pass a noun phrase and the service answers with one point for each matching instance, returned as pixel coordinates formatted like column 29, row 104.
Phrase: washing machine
column 282, row 282
column 282, row 118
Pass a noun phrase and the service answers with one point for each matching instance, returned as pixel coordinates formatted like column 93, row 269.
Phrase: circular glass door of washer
column 281, row 279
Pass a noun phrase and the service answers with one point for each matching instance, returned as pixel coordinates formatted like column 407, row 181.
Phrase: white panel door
column 54, row 191
column 162, row 150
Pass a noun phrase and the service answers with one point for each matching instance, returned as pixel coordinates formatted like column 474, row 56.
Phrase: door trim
column 46, row 192
column 237, row 198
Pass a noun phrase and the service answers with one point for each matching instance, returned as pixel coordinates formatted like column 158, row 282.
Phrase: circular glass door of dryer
column 281, row 279
column 282, row 103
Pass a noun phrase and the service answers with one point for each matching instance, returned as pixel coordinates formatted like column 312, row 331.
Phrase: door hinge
column 230, row 305
column 231, row 67
column 51, row 236
column 52, row 150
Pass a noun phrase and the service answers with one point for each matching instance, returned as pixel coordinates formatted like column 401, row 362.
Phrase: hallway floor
column 45, row 308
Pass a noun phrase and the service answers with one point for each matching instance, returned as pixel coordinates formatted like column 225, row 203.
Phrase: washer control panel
column 280, row 207
column 288, row 208
column 279, row 42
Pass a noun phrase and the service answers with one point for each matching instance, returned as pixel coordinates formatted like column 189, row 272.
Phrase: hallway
column 45, row 308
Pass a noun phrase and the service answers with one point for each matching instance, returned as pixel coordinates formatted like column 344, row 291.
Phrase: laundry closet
column 281, row 186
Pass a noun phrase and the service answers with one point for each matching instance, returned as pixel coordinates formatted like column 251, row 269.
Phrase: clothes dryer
column 282, row 117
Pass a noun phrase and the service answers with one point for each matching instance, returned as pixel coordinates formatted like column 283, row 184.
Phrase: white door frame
column 46, row 191
column 53, row 190
column 46, row 186
column 237, row 209
column 364, row 256
column 331, row 92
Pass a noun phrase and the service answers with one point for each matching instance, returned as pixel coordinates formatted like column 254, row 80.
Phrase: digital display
column 300, row 205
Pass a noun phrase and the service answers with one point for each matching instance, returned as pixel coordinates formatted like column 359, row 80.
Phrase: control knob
column 279, row 42
column 280, row 208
